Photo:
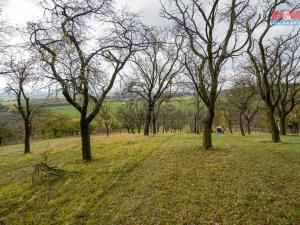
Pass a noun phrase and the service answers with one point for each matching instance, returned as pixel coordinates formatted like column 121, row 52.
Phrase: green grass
column 166, row 179
column 182, row 103
column 70, row 110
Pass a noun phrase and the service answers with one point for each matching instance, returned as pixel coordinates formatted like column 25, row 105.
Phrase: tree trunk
column 198, row 126
column 148, row 119
column 282, row 125
column 207, row 132
column 27, row 137
column 132, row 129
column 230, row 125
column 273, row 126
column 248, row 127
column 85, row 141
column 197, row 116
column 241, row 124
column 164, row 124
column 154, row 130
column 107, row 129
column 139, row 128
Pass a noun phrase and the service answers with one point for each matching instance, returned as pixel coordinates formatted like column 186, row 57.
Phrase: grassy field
column 70, row 110
column 183, row 103
column 166, row 179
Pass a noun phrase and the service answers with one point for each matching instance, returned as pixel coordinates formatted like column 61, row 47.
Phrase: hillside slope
column 155, row 180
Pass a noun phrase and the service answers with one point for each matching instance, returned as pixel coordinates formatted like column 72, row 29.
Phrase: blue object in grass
column 219, row 130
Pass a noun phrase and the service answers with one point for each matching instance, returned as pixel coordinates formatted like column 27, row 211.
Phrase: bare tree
column 208, row 49
column 228, row 109
column 106, row 117
column 20, row 74
column 287, row 74
column 154, row 69
column 126, row 116
column 250, row 112
column 84, row 45
column 139, row 114
column 241, row 96
column 264, row 54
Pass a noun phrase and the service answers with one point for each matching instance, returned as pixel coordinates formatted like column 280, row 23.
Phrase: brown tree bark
column 248, row 127
column 273, row 126
column 107, row 129
column 282, row 125
column 27, row 137
column 85, row 139
column 148, row 119
column 241, row 124
column 154, row 130
column 230, row 126
column 207, row 129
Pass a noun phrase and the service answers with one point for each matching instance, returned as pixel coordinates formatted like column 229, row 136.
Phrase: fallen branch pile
column 43, row 171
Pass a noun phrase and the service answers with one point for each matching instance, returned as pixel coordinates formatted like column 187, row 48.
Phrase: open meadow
column 166, row 179
column 138, row 112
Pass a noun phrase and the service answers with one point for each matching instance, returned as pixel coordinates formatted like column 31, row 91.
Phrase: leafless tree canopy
column 153, row 71
column 265, row 53
column 84, row 44
column 207, row 48
column 21, row 75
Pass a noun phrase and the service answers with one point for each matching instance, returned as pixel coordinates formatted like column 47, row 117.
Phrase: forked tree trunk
column 282, row 125
column 85, row 139
column 27, row 137
column 241, row 124
column 148, row 120
column 273, row 126
column 207, row 129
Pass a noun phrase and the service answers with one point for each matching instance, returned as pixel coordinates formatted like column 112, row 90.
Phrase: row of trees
column 237, row 110
column 127, row 117
column 83, row 45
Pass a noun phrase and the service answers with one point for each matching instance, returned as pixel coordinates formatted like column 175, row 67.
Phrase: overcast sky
column 18, row 12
